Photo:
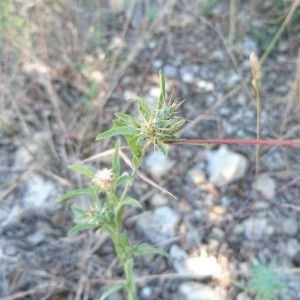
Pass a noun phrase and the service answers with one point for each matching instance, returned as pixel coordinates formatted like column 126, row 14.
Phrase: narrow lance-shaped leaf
column 82, row 170
column 79, row 211
column 131, row 141
column 127, row 119
column 116, row 159
column 162, row 95
column 131, row 201
column 144, row 249
column 74, row 193
column 144, row 110
column 122, row 179
column 123, row 130
column 113, row 289
column 81, row 227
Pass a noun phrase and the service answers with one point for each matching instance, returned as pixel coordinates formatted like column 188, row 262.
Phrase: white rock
column 38, row 191
column 202, row 266
column 266, row 186
column 159, row 225
column 290, row 226
column 198, row 291
column 257, row 228
column 158, row 164
column 206, row 86
column 225, row 166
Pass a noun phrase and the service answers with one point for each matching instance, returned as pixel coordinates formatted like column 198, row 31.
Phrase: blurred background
column 67, row 66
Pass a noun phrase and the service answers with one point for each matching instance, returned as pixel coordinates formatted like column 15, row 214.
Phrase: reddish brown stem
column 289, row 143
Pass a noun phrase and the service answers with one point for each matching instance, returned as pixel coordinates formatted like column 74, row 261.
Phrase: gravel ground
column 225, row 216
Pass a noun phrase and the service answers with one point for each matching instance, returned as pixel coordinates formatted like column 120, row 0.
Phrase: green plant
column 265, row 282
column 108, row 188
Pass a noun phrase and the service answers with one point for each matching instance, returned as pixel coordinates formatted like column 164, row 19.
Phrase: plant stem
column 120, row 245
column 131, row 284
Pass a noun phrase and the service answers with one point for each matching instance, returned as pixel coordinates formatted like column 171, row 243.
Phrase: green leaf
column 144, row 249
column 113, row 289
column 131, row 140
column 162, row 83
column 134, row 146
column 81, row 227
column 127, row 119
column 133, row 202
column 116, row 167
column 122, row 130
column 178, row 124
column 122, row 179
column 82, row 170
column 144, row 110
column 78, row 210
column 74, row 193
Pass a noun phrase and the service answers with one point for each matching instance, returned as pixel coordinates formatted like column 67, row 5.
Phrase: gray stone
column 266, row 186
column 158, row 164
column 225, row 166
column 178, row 258
column 159, row 225
column 159, row 200
column 257, row 228
column 198, row 291
column 38, row 191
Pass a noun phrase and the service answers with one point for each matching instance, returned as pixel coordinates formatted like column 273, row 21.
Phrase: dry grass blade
column 143, row 177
